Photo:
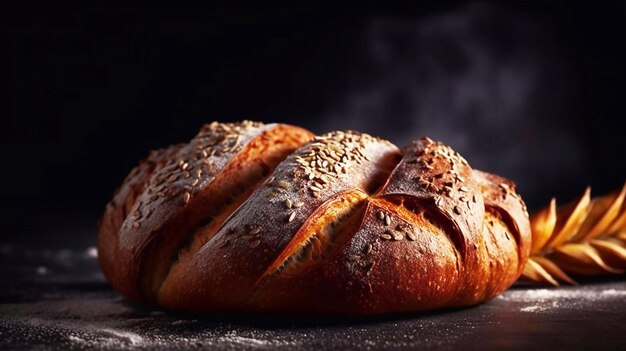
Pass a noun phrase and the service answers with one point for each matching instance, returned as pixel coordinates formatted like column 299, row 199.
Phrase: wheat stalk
column 584, row 237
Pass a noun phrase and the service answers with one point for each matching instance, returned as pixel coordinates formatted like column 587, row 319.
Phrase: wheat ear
column 585, row 237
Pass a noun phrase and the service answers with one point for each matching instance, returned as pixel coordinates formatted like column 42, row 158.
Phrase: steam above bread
column 269, row 218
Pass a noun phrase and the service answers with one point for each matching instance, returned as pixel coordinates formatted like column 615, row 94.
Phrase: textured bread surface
column 270, row 218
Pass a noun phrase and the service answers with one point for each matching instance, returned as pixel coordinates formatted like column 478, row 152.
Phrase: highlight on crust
column 270, row 218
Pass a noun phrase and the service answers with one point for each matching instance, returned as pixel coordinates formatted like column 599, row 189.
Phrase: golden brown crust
column 120, row 207
column 347, row 224
column 194, row 183
column 243, row 249
column 415, row 247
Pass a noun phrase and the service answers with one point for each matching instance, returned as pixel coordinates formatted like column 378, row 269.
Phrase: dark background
column 533, row 91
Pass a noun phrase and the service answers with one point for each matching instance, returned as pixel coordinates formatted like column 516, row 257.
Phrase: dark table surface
column 58, row 299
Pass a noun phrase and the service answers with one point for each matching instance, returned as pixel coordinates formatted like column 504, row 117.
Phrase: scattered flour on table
column 252, row 339
column 132, row 337
column 613, row 292
column 539, row 308
column 233, row 338
column 102, row 323
column 91, row 252
column 540, row 300
column 542, row 295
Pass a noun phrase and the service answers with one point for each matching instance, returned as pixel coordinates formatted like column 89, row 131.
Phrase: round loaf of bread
column 268, row 218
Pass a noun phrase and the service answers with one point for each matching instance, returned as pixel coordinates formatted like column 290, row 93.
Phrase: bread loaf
column 268, row 218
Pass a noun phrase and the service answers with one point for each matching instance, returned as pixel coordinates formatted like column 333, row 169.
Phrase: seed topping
column 291, row 217
column 330, row 155
column 183, row 168
column 354, row 257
